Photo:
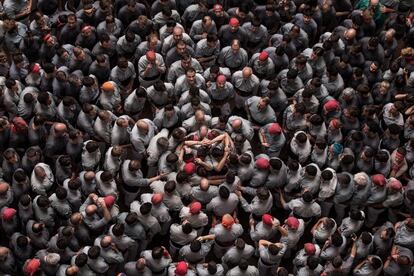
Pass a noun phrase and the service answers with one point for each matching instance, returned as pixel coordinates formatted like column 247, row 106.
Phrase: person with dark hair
column 243, row 269
column 270, row 254
column 312, row 266
column 260, row 204
column 305, row 207
column 333, row 247
column 207, row 50
column 257, row 36
column 224, row 203
column 157, row 259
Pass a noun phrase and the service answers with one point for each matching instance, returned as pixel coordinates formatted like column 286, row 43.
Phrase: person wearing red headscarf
column 224, row 234
column 263, row 66
column 150, row 67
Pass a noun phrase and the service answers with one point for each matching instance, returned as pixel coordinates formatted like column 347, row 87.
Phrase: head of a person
column 235, row 46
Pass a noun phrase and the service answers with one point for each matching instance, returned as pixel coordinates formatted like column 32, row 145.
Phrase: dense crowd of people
column 207, row 137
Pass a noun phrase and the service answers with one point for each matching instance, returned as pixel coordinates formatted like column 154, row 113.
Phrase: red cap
column 221, row 78
column 108, row 86
column 395, row 184
column 227, row 221
column 36, row 68
column 181, row 268
column 267, row 219
column 262, row 163
column 8, row 213
column 32, row 266
column 234, row 22
column 47, row 37
column 292, row 222
column 379, row 180
column 189, row 168
column 263, row 56
column 151, row 55
column 217, row 7
column 310, row 248
column 109, row 201
column 275, row 128
column 195, row 208
column 156, row 199
column 331, row 105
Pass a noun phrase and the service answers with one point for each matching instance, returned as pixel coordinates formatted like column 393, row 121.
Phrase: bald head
column 72, row 270
column 89, row 176
column 247, row 72
column 4, row 251
column 236, row 124
column 106, row 241
column 350, row 34
column 177, row 30
column 4, row 187
column 75, row 218
column 199, row 115
column 40, row 173
column 91, row 210
column 142, row 126
column 60, row 128
column 177, row 33
column 204, row 184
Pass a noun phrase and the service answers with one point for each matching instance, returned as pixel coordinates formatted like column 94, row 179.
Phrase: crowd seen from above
column 207, row 137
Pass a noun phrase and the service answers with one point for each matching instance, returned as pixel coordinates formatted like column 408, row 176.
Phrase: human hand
column 93, row 197
column 101, row 202
column 206, row 142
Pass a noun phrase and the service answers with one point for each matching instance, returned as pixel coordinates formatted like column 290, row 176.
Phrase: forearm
column 218, row 138
column 191, row 143
column 215, row 181
column 208, row 167
column 245, row 205
column 209, row 237
column 106, row 214
column 222, row 163
column 264, row 243
column 360, row 264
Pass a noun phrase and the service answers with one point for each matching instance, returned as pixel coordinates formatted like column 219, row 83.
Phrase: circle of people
column 208, row 137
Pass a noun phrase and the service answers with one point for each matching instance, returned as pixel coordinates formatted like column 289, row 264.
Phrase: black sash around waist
column 129, row 189
column 218, row 102
column 242, row 93
column 224, row 244
column 151, row 78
